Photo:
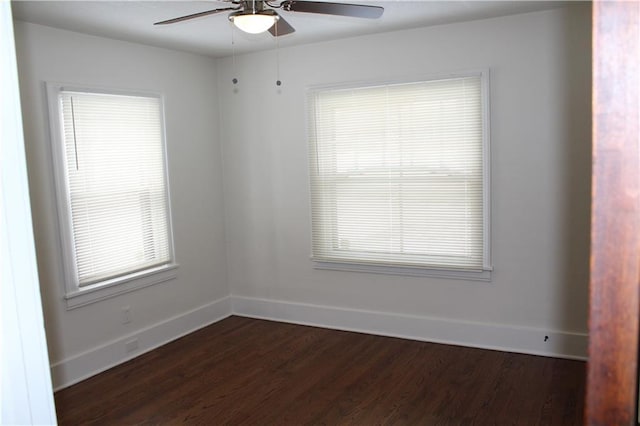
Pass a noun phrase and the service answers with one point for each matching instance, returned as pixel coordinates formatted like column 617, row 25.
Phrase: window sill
column 480, row 275
column 121, row 285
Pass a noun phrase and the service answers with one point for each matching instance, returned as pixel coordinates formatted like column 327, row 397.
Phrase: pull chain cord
column 75, row 141
column 278, row 82
column 233, row 56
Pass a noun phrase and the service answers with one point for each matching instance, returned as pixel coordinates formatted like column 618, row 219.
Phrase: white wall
column 90, row 338
column 540, row 127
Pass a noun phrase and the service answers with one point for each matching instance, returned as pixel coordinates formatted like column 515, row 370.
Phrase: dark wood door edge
column 611, row 396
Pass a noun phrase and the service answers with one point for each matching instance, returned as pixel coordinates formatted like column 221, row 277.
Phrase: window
column 113, row 200
column 399, row 177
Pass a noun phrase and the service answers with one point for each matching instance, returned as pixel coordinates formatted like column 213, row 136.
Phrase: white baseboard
column 559, row 344
column 79, row 367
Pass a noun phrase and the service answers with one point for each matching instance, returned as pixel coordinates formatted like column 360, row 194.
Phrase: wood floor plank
column 243, row 371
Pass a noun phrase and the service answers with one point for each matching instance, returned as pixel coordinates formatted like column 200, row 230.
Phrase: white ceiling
column 212, row 35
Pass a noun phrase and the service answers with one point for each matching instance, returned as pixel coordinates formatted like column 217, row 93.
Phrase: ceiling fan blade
column 344, row 9
column 281, row 27
column 195, row 15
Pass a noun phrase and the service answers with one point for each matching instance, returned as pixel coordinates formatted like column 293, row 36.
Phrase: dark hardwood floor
column 254, row 372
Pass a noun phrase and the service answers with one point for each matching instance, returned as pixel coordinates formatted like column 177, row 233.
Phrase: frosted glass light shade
column 254, row 23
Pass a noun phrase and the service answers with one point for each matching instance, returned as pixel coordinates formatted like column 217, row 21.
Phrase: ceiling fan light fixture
column 254, row 23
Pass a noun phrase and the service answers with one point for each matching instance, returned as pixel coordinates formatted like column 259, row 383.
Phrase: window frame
column 483, row 274
column 74, row 294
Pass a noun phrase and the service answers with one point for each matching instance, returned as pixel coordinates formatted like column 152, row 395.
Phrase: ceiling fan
column 257, row 16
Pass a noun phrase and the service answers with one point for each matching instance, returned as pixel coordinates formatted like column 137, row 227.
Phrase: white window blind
column 116, row 184
column 397, row 174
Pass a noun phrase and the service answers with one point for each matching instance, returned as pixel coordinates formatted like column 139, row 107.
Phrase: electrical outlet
column 131, row 345
column 126, row 315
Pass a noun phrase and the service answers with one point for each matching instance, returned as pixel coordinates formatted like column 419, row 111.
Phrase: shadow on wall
column 574, row 295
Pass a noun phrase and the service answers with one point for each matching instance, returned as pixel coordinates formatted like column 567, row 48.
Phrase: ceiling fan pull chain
column 233, row 56
column 278, row 82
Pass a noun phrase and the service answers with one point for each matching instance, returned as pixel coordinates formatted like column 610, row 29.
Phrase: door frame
column 611, row 397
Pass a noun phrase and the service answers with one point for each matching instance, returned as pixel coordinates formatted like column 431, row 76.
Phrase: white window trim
column 74, row 295
column 120, row 285
column 480, row 275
